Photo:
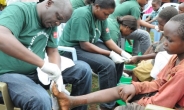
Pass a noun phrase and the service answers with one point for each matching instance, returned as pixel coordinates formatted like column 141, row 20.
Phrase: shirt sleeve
column 79, row 29
column 52, row 41
column 169, row 94
column 13, row 18
column 136, row 12
column 147, row 87
column 105, row 32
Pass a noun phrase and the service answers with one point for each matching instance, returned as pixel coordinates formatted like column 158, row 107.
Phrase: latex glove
column 126, row 55
column 52, row 70
column 156, row 28
column 116, row 57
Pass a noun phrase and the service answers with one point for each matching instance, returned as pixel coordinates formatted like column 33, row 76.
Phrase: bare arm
column 145, row 24
column 111, row 45
column 147, row 56
column 93, row 48
column 135, row 59
column 54, row 56
column 11, row 46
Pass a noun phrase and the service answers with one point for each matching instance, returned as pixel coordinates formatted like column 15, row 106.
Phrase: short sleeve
column 105, row 32
column 136, row 12
column 12, row 18
column 52, row 41
column 79, row 29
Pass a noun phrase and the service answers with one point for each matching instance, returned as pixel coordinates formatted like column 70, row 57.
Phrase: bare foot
column 64, row 101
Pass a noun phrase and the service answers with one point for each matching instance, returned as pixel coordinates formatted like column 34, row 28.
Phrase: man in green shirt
column 84, row 29
column 27, row 32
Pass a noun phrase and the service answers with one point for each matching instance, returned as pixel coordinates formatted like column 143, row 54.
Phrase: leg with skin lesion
column 68, row 102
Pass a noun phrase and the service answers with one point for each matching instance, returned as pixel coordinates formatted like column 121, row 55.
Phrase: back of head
column 105, row 4
column 129, row 21
column 180, row 20
column 167, row 13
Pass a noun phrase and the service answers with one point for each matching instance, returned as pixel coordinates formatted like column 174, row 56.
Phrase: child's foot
column 64, row 101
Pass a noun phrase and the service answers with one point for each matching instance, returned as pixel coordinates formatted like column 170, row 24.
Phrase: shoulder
column 21, row 7
column 83, row 12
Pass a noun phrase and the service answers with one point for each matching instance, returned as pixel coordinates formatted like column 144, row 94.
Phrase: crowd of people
column 28, row 33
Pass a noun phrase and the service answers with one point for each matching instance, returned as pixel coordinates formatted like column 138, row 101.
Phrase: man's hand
column 127, row 92
column 52, row 70
column 116, row 57
column 125, row 55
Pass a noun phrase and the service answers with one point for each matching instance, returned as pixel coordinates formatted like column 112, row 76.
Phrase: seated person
column 153, row 17
column 27, row 33
column 166, row 90
column 143, row 69
column 105, row 58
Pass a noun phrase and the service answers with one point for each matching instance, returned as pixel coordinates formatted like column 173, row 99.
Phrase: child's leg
column 68, row 102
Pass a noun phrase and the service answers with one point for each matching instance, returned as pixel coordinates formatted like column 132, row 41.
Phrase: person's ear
column 97, row 7
column 49, row 3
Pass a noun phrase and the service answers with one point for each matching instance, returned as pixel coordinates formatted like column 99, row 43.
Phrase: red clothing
column 170, row 86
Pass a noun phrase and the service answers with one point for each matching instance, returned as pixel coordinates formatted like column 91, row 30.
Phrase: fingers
column 129, row 98
column 125, row 96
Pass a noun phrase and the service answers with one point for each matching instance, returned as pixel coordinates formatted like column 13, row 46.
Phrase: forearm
column 147, row 87
column 11, row 46
column 54, row 56
column 147, row 56
column 145, row 24
column 113, row 46
column 93, row 48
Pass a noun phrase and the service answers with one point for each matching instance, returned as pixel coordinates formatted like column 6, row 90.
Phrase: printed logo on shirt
column 107, row 30
column 55, row 34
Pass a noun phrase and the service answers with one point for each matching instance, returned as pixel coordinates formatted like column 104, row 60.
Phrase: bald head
column 64, row 7
column 54, row 12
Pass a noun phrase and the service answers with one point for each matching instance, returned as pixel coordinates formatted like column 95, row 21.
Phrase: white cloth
column 161, row 60
column 65, row 63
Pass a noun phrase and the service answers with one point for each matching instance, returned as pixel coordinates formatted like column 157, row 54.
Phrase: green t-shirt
column 130, row 7
column 117, row 2
column 22, row 20
column 77, row 3
column 82, row 26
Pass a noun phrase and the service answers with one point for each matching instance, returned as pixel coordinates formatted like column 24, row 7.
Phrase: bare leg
column 68, row 102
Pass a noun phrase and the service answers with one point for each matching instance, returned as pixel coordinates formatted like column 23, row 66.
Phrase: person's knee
column 84, row 68
column 39, row 101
